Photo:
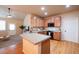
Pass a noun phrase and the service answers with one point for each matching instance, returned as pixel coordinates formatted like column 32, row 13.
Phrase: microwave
column 50, row 24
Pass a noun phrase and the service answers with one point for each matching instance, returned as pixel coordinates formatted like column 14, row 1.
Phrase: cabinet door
column 52, row 19
column 49, row 20
column 42, row 23
column 42, row 33
column 34, row 22
column 46, row 22
column 45, row 47
column 31, row 21
column 37, row 22
column 57, row 35
column 19, row 47
column 57, row 21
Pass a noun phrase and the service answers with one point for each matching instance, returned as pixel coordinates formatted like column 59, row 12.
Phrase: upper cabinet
column 52, row 19
column 36, row 21
column 40, row 22
column 55, row 19
column 45, row 22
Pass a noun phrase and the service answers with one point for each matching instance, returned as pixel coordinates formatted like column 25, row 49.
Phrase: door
column 69, row 28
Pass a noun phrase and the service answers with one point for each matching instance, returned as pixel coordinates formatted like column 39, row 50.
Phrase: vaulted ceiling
column 19, row 11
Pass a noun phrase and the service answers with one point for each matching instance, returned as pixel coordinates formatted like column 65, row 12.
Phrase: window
column 12, row 26
column 2, row 25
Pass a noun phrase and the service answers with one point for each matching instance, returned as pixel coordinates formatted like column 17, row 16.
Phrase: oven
column 49, row 32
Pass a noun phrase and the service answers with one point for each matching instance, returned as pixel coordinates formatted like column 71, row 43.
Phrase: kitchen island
column 34, row 43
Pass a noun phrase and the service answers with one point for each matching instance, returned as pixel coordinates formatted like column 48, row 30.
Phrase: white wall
column 78, row 29
column 27, row 20
column 17, row 22
column 69, row 26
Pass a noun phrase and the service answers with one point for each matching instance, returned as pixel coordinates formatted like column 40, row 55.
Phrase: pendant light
column 9, row 13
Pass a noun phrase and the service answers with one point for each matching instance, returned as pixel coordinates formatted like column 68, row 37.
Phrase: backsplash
column 37, row 28
column 53, row 29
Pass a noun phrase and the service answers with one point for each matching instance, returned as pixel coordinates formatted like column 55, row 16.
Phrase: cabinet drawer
column 40, row 32
column 57, row 35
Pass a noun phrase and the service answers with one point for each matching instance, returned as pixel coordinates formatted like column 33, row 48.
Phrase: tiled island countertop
column 35, row 37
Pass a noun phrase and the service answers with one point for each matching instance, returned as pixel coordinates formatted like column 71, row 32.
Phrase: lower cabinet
column 42, row 33
column 57, row 35
column 19, row 47
column 45, row 47
column 39, row 48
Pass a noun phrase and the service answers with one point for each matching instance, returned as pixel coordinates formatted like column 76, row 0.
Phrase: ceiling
column 19, row 11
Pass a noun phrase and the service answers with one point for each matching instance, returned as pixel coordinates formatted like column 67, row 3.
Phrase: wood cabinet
column 45, row 47
column 19, row 47
column 41, row 23
column 32, row 21
column 37, row 22
column 57, row 21
column 49, row 20
column 57, row 35
column 52, row 19
column 42, row 47
column 46, row 23
column 43, row 33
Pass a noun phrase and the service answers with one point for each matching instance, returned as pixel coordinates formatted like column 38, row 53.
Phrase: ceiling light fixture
column 9, row 13
column 34, row 17
column 67, row 6
column 42, row 8
column 45, row 13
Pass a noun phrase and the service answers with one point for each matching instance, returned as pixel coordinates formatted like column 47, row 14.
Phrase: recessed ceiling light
column 67, row 6
column 42, row 8
column 45, row 13
column 34, row 17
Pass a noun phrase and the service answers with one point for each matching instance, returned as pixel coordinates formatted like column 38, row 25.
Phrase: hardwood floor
column 13, row 49
column 63, row 47
column 56, row 47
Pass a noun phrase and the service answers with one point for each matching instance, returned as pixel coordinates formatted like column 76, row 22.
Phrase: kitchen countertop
column 44, row 31
column 39, row 31
column 13, row 40
column 35, row 37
